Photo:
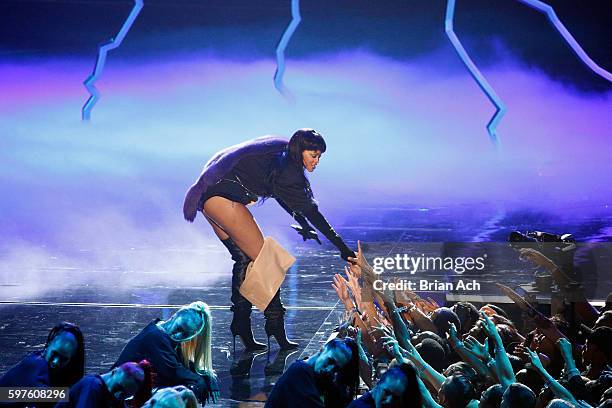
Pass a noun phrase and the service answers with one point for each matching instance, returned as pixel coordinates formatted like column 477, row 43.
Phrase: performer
column 60, row 364
column 179, row 350
column 235, row 177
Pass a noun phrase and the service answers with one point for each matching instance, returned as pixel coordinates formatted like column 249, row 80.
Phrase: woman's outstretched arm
column 320, row 223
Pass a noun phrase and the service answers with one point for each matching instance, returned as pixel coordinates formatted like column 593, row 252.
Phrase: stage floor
column 109, row 314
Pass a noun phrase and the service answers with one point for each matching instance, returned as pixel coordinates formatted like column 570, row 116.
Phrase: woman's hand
column 307, row 232
column 214, row 396
column 567, row 353
column 347, row 254
column 412, row 353
column 386, row 331
column 213, row 393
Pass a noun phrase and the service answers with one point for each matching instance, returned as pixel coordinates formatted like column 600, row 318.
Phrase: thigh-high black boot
column 241, row 321
column 275, row 323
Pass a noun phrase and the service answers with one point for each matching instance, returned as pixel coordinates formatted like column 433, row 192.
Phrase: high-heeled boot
column 275, row 324
column 241, row 321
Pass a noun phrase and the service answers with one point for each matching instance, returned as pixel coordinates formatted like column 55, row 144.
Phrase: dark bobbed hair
column 411, row 398
column 304, row 139
column 75, row 369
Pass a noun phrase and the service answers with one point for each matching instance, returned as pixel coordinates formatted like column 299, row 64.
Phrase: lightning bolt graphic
column 282, row 45
column 484, row 85
column 567, row 36
column 101, row 60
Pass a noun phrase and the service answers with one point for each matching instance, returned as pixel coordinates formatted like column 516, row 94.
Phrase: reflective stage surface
column 112, row 312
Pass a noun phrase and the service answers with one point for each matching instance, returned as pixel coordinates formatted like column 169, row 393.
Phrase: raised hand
column 393, row 348
column 488, row 325
column 521, row 352
column 353, row 284
column 387, row 332
column 364, row 267
column 479, row 350
column 411, row 351
column 452, row 335
column 355, row 269
column 535, row 360
column 341, row 288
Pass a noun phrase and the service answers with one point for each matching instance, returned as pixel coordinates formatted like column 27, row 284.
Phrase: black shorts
column 231, row 189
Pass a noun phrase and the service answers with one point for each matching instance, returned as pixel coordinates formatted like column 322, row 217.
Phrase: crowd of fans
column 394, row 349
column 413, row 353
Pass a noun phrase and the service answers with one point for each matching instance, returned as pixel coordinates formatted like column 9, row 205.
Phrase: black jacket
column 90, row 392
column 268, row 175
column 296, row 388
column 32, row 371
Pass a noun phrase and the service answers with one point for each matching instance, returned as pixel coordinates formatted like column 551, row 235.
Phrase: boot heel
column 241, row 321
column 276, row 328
column 242, row 328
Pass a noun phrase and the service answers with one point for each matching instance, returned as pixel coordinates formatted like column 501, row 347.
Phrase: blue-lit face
column 330, row 361
column 185, row 326
column 310, row 159
column 388, row 393
column 125, row 383
column 61, row 350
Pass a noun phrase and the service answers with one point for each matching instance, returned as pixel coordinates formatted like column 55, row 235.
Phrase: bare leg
column 222, row 235
column 226, row 217
column 235, row 221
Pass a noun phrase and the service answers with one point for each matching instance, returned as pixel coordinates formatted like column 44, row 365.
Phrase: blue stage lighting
column 282, row 45
column 101, row 60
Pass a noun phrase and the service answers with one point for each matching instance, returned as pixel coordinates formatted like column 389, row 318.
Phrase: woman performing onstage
column 237, row 176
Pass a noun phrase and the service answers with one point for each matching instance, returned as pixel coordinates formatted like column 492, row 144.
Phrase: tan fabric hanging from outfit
column 266, row 273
